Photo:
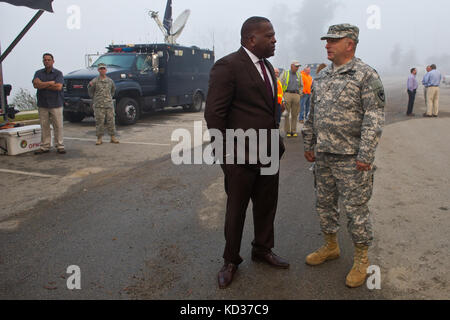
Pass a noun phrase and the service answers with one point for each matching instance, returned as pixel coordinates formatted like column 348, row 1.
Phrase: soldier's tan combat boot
column 357, row 276
column 114, row 139
column 99, row 140
column 330, row 250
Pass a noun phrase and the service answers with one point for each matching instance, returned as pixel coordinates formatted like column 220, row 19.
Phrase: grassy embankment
column 25, row 116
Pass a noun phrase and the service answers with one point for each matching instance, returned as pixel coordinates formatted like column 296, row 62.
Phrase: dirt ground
column 411, row 201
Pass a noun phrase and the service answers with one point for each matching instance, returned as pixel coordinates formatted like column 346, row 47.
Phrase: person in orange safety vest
column 305, row 101
column 280, row 100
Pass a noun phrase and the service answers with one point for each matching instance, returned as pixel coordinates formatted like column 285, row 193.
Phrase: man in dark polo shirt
column 49, row 84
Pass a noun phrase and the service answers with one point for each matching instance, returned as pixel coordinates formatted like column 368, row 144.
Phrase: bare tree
column 24, row 100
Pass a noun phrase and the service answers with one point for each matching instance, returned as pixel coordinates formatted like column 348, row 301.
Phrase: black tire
column 197, row 102
column 73, row 117
column 128, row 111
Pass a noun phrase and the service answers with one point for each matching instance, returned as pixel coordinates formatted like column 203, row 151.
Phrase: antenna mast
column 171, row 31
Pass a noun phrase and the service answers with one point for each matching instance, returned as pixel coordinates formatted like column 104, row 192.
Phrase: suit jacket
column 238, row 98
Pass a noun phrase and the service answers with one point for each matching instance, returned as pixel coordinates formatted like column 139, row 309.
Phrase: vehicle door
column 146, row 76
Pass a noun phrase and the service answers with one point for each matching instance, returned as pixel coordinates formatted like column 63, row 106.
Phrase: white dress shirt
column 255, row 61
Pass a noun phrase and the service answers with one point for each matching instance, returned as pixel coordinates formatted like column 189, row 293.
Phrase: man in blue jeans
column 305, row 101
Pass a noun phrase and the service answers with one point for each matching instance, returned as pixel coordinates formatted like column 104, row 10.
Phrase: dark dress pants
column 278, row 106
column 242, row 183
column 412, row 97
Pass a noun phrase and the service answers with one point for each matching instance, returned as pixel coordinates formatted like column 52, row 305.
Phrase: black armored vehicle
column 148, row 77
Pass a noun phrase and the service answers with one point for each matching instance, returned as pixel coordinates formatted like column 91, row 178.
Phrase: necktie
column 266, row 79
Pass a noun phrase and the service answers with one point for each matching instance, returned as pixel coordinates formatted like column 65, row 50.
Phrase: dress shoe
column 41, row 151
column 225, row 276
column 270, row 258
column 62, row 151
column 427, row 116
column 434, row 116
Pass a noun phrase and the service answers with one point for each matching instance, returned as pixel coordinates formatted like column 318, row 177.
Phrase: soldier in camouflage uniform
column 101, row 90
column 341, row 135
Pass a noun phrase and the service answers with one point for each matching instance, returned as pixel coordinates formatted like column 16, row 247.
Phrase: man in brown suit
column 242, row 95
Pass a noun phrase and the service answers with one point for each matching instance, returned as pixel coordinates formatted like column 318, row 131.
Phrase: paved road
column 156, row 232
column 143, row 228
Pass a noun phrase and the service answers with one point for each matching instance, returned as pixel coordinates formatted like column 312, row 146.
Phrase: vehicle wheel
column 73, row 117
column 197, row 104
column 127, row 111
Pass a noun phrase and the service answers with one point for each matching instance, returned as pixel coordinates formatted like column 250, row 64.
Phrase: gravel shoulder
column 411, row 205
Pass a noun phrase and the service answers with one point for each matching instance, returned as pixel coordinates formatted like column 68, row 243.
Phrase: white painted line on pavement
column 122, row 142
column 34, row 174
column 164, row 125
column 170, row 125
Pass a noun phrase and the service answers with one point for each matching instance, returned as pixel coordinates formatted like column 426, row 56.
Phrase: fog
column 394, row 35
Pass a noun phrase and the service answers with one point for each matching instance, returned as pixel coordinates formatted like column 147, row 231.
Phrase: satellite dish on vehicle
column 171, row 31
column 180, row 23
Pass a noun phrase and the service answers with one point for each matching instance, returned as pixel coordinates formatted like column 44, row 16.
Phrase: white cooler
column 21, row 139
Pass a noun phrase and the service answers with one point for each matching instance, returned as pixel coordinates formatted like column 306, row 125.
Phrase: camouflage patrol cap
column 344, row 30
column 101, row 65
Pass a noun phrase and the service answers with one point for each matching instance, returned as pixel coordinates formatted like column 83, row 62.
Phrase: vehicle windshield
column 116, row 60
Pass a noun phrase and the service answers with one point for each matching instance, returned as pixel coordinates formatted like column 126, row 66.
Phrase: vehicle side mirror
column 155, row 63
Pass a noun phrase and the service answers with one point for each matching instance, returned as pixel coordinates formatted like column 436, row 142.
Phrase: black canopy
column 41, row 5
column 34, row 4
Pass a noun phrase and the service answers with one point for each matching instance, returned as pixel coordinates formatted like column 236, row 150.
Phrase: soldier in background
column 101, row 90
column 340, row 136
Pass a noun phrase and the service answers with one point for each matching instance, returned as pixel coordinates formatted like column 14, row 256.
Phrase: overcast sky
column 394, row 35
